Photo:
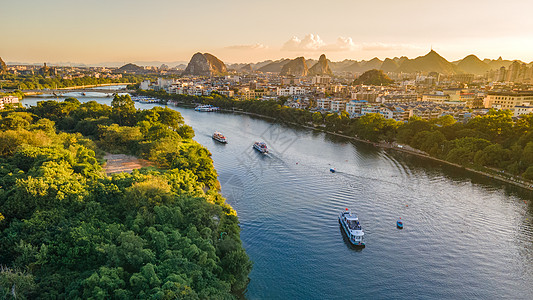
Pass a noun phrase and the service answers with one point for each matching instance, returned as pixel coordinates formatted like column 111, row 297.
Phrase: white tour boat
column 351, row 226
column 217, row 136
column 206, row 108
column 261, row 147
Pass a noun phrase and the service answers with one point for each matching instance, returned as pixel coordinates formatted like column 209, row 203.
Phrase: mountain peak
column 433, row 53
column 205, row 64
column 321, row 67
column 473, row 65
column 296, row 67
column 431, row 62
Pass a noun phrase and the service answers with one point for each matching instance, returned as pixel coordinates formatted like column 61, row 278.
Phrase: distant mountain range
column 431, row 62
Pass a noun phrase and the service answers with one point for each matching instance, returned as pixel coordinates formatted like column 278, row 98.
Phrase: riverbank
column 401, row 148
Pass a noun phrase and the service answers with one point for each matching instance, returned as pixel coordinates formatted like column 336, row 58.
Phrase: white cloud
column 256, row 46
column 313, row 42
column 342, row 44
column 310, row 42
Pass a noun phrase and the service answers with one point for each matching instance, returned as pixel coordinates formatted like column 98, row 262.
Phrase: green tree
column 123, row 110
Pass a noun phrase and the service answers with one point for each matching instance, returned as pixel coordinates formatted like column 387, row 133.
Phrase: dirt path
column 118, row 163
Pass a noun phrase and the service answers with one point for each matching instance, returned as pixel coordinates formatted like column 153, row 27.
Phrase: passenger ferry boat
column 207, row 107
column 144, row 99
column 217, row 136
column 351, row 226
column 261, row 147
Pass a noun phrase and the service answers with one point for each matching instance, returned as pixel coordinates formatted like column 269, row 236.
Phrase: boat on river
column 351, row 226
column 219, row 137
column 399, row 224
column 332, row 170
column 261, row 147
column 207, row 107
column 144, row 99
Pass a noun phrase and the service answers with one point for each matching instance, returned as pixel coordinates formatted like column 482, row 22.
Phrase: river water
column 465, row 236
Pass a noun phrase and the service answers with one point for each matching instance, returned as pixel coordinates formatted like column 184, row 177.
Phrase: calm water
column 465, row 236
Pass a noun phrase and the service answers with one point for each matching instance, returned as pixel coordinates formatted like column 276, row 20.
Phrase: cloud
column 313, row 42
column 386, row 47
column 310, row 42
column 342, row 44
column 256, row 46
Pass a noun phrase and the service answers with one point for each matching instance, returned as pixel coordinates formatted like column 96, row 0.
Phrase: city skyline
column 244, row 31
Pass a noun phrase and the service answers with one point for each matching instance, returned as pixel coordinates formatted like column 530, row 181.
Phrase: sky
column 125, row 31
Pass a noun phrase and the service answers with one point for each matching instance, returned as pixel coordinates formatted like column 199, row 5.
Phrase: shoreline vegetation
column 69, row 231
column 494, row 145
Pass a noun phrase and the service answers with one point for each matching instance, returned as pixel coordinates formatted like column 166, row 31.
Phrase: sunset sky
column 248, row 31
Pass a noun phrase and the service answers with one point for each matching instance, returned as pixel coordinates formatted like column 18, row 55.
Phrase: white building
column 370, row 109
column 354, row 106
column 290, row 91
column 164, row 84
column 324, row 104
column 145, row 85
column 507, row 100
column 318, row 79
column 338, row 105
column 520, row 110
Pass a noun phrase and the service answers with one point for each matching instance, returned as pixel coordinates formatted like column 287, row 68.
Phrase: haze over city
column 247, row 31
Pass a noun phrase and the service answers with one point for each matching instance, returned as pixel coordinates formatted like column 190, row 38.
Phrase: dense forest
column 68, row 231
column 494, row 142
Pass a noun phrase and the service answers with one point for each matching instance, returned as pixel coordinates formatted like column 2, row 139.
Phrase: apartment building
column 508, row 100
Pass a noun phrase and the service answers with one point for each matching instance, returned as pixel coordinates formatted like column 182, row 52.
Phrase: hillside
column 131, row 68
column 205, row 64
column 296, row 67
column 498, row 63
column 373, row 77
column 246, row 68
column 339, row 66
column 274, row 67
column 389, row 65
column 321, row 67
column 473, row 65
column 431, row 62
column 363, row 66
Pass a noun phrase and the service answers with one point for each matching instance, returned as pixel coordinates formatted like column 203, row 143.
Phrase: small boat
column 219, row 137
column 351, row 226
column 207, row 107
column 261, row 147
column 332, row 170
column 399, row 224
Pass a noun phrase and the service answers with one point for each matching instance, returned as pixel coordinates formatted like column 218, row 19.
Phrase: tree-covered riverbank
column 494, row 143
column 70, row 231
column 30, row 82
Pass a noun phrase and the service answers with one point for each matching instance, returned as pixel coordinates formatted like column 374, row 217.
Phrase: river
column 465, row 236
